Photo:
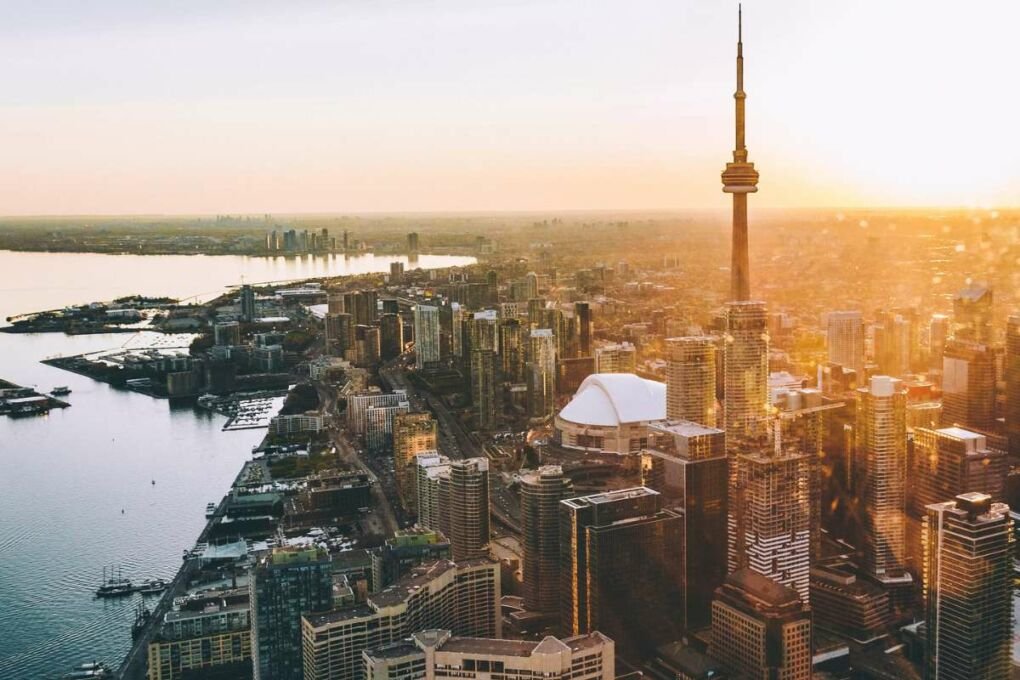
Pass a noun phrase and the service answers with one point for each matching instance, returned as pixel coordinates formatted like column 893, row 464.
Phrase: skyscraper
column 483, row 387
column 1012, row 371
column 690, row 380
column 770, row 513
column 689, row 467
column 620, row 568
column 747, row 372
column 283, row 585
column 463, row 506
column 952, row 461
column 740, row 179
column 541, row 373
column 339, row 333
column 391, row 336
column 880, row 463
column 426, row 336
column 968, row 385
column 938, row 332
column 972, row 314
column 541, row 493
column 585, row 332
column 616, row 358
column 247, row 303
column 895, row 342
column 968, row 588
column 761, row 629
column 413, row 433
column 512, row 350
column 845, row 341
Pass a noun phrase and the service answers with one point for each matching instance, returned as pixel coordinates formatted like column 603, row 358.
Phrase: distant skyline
column 249, row 106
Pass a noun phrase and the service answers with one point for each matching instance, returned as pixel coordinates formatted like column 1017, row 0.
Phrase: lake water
column 76, row 488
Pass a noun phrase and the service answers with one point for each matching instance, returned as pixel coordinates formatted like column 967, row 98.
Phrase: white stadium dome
column 610, row 413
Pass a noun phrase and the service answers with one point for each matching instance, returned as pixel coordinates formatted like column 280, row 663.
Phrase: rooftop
column 609, row 399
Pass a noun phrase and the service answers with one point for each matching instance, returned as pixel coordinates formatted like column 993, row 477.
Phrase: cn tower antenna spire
column 740, row 178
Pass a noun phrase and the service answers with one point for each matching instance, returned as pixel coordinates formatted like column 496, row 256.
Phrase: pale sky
column 192, row 106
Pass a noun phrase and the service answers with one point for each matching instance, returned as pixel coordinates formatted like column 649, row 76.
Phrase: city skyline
column 522, row 106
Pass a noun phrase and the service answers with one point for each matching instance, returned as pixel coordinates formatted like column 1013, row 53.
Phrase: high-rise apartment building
column 339, row 334
column 968, row 385
column 1012, row 375
column 939, row 329
column 391, row 336
column 895, row 342
column 585, row 329
column 690, row 380
column 462, row 597
column 770, row 514
column 426, row 336
column 616, row 358
column 541, row 493
column 203, row 635
column 747, row 372
column 845, row 340
column 413, row 433
column 429, row 467
column 968, row 588
column 688, row 465
column 972, row 314
column 464, row 507
column 880, row 469
column 484, row 392
column 431, row 654
column 761, row 629
column 541, row 373
column 620, row 557
column 952, row 461
column 412, row 242
column 246, row 302
column 512, row 351
column 283, row 585
column 335, row 303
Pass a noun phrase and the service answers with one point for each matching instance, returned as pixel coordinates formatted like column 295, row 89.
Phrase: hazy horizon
column 443, row 107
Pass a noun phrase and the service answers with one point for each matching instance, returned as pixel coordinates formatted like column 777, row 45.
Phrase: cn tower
column 740, row 179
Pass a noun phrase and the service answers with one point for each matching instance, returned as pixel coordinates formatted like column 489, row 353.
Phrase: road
column 383, row 486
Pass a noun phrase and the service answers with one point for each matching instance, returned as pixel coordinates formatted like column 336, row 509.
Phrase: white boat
column 60, row 391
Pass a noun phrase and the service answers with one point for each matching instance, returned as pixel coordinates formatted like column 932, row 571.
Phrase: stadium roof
column 609, row 399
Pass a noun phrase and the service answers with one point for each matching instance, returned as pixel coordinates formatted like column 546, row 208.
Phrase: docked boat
column 94, row 670
column 151, row 586
column 60, row 391
column 210, row 510
column 114, row 586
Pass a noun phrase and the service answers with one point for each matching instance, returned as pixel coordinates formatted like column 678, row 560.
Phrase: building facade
column 413, row 433
column 620, row 568
column 880, row 469
column 541, row 493
column 761, row 629
column 690, row 380
column 462, row 597
column 968, row 587
column 283, row 585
